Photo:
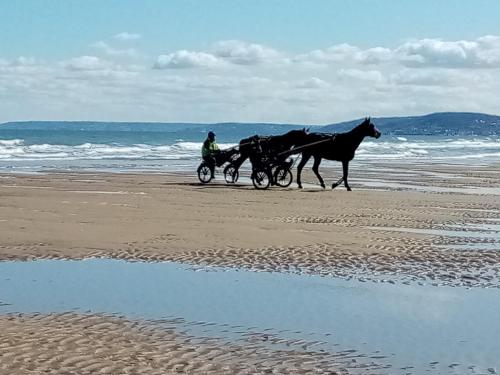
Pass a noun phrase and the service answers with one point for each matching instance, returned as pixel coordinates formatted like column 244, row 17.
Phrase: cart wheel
column 261, row 179
column 231, row 174
column 204, row 174
column 283, row 177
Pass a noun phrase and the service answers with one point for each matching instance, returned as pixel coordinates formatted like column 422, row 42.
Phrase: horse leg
column 317, row 161
column 345, row 167
column 303, row 161
column 237, row 163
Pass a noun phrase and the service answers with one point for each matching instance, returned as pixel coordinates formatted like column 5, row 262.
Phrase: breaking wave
column 17, row 150
column 18, row 153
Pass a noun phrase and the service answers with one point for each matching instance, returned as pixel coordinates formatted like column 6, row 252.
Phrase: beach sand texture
column 392, row 236
column 92, row 344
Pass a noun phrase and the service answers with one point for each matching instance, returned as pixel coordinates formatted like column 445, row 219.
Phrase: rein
column 332, row 138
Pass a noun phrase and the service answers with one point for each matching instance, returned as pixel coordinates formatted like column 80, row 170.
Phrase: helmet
column 211, row 135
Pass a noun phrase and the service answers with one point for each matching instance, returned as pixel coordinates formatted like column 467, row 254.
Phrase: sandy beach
column 175, row 187
column 396, row 235
column 90, row 344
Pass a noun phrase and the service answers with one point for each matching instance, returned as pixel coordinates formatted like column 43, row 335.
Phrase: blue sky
column 186, row 53
column 60, row 28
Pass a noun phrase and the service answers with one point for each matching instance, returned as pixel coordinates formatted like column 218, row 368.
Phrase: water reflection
column 423, row 329
column 391, row 185
column 481, row 231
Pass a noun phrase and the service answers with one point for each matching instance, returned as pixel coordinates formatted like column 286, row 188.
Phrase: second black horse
column 265, row 152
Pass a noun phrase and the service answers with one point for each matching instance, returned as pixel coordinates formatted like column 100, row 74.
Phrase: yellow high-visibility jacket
column 209, row 148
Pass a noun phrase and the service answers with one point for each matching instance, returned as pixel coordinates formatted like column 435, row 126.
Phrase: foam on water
column 142, row 151
column 16, row 150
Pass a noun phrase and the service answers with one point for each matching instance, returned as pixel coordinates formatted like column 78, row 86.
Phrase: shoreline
column 421, row 175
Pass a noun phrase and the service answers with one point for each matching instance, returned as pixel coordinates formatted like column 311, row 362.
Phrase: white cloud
column 480, row 53
column 362, row 75
column 239, row 81
column 423, row 78
column 347, row 53
column 125, row 36
column 332, row 54
column 114, row 52
column 312, row 83
column 224, row 53
column 24, row 61
column 186, row 59
column 86, row 63
column 479, row 81
column 19, row 61
column 239, row 52
column 374, row 55
column 483, row 52
column 490, row 49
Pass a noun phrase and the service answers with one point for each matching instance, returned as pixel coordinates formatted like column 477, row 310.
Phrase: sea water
column 120, row 148
column 410, row 329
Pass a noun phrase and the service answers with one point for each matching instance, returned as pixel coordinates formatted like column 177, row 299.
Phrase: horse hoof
column 323, row 186
column 349, row 189
column 334, row 186
column 299, row 186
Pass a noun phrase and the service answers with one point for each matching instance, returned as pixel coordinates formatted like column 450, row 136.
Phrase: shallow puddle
column 422, row 329
column 389, row 185
column 486, row 246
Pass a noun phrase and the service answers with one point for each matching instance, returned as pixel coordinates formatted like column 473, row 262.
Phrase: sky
column 302, row 62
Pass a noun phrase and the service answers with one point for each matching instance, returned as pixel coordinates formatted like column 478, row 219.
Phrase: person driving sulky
column 209, row 150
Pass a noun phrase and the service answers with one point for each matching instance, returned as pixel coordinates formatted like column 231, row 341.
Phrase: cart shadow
column 237, row 186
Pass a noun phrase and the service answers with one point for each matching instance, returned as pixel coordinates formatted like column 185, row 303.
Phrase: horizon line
column 241, row 123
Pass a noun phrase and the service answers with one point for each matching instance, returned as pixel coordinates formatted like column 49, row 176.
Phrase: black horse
column 340, row 147
column 276, row 146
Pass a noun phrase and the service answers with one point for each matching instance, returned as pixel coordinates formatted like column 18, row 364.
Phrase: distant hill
column 221, row 129
column 443, row 123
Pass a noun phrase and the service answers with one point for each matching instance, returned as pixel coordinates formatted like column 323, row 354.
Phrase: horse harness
column 331, row 137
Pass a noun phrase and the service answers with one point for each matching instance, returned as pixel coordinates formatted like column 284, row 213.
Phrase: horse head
column 369, row 128
column 295, row 137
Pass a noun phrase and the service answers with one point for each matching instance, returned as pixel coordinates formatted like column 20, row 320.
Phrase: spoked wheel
column 231, row 174
column 204, row 174
column 261, row 179
column 283, row 177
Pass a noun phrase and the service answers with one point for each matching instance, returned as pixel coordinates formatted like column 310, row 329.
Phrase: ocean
column 67, row 147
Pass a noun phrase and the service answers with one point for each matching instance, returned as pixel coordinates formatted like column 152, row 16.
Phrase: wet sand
column 95, row 344
column 391, row 235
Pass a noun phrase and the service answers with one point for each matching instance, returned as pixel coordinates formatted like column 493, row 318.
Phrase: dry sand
column 173, row 218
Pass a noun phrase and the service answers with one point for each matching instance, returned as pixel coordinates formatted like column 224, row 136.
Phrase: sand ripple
column 90, row 344
column 328, row 233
